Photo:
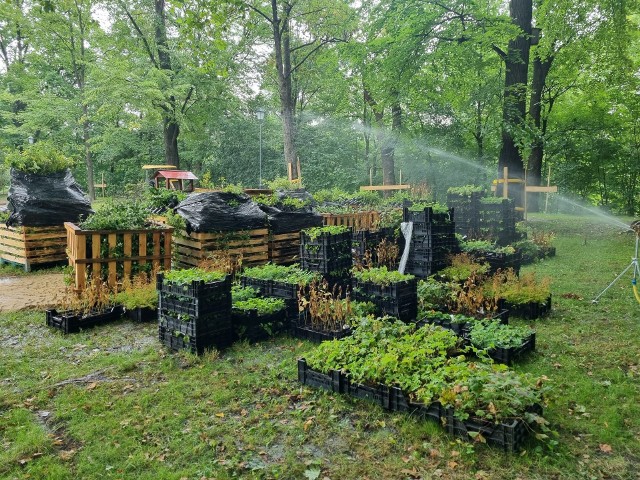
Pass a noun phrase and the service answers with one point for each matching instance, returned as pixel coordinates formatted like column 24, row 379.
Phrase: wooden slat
column 127, row 253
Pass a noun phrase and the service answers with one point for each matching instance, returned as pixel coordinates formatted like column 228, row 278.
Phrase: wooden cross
column 101, row 185
column 527, row 188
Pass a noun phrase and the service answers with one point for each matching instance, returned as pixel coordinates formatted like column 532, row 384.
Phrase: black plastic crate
column 142, row 315
column 264, row 287
column 398, row 299
column 253, row 327
column 71, row 322
column 426, row 216
column 334, row 381
column 510, row 436
column 424, row 268
column 284, row 290
column 531, row 310
column 459, row 328
column 218, row 340
column 198, row 326
column 195, row 290
column 306, row 332
column 510, row 355
column 337, row 267
column 195, row 307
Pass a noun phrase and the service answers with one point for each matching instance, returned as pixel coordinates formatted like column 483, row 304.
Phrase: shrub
column 41, row 158
column 117, row 215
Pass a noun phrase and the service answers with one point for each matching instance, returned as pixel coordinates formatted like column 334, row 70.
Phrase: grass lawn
column 111, row 402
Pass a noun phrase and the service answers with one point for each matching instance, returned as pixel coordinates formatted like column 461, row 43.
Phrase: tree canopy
column 445, row 91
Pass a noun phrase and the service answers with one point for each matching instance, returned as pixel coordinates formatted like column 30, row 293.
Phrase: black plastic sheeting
column 284, row 218
column 220, row 212
column 45, row 200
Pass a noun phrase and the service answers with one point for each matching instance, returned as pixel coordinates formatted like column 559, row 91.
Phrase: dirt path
column 31, row 291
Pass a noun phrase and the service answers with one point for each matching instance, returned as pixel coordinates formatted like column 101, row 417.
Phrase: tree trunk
column 534, row 164
column 515, row 99
column 281, row 38
column 171, row 128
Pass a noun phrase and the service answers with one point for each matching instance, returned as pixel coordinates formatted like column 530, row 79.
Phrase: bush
column 41, row 158
column 117, row 215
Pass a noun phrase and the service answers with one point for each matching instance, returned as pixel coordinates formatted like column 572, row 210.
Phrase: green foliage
column 117, row 215
column 282, row 183
column 292, row 274
column 492, row 334
column 144, row 296
column 41, row 157
column 421, row 206
column 466, row 190
column 240, row 294
column 492, row 200
column 519, row 290
column 264, row 306
column 162, row 197
column 462, row 267
column 187, row 276
column 381, row 276
column 315, row 232
column 484, row 246
column 422, row 362
column 434, row 295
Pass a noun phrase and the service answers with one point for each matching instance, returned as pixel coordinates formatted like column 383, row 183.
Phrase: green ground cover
column 111, row 402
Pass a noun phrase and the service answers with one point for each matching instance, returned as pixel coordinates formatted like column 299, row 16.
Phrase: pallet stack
column 31, row 246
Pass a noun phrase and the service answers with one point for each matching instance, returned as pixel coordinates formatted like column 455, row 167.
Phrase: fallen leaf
column 413, row 473
column 605, row 448
column 220, row 415
column 452, row 464
column 92, row 386
column 312, row 473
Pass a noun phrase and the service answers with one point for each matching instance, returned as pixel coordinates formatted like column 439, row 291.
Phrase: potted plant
column 254, row 317
column 392, row 292
column 503, row 343
column 325, row 314
column 524, row 296
column 139, row 299
column 80, row 310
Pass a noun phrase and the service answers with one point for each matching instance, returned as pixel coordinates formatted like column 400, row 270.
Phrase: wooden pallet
column 356, row 221
column 252, row 245
column 87, row 257
column 29, row 246
column 284, row 248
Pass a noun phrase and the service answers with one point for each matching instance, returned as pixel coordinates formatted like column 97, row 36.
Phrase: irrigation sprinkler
column 635, row 226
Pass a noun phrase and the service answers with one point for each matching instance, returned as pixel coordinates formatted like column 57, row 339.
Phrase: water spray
column 635, row 226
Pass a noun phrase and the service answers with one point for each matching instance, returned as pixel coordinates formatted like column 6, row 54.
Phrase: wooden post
column 546, row 200
column 505, row 187
column 400, row 177
column 370, row 176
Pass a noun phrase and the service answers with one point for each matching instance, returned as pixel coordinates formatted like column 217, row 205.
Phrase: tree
column 299, row 29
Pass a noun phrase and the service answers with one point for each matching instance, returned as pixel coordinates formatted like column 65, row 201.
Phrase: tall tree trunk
column 281, row 37
column 534, row 163
column 515, row 98
column 171, row 128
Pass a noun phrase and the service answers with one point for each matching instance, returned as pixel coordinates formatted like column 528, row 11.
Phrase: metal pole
column 260, row 184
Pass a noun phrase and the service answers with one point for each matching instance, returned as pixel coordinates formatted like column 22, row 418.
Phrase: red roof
column 177, row 174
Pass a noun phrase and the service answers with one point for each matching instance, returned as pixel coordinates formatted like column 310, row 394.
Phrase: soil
column 31, row 291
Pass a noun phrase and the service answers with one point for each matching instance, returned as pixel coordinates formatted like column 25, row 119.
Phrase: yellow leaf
column 220, row 415
column 605, row 448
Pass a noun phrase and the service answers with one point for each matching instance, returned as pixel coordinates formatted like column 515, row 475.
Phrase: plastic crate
column 531, row 310
column 142, row 315
column 398, row 299
column 253, row 327
column 509, row 436
column 426, row 216
column 71, row 322
column 334, row 381
column 264, row 287
column 510, row 355
column 195, row 290
column 218, row 340
column 198, row 326
column 306, row 332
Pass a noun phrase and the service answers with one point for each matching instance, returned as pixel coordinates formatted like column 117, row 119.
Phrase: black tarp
column 220, row 212
column 45, row 200
column 285, row 218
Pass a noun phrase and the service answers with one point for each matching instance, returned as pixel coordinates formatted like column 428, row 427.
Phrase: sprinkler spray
column 635, row 226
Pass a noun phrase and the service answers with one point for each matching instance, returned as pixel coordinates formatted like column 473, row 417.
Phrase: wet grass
column 111, row 402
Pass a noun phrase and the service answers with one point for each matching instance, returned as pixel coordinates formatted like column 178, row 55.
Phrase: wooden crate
column 29, row 246
column 284, row 248
column 356, row 221
column 86, row 257
column 253, row 245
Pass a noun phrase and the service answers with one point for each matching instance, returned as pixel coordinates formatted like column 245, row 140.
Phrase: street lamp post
column 260, row 116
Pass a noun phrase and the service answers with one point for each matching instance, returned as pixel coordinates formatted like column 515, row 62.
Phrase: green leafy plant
column 436, row 207
column 162, row 198
column 117, row 215
column 466, row 190
column 519, row 290
column 187, row 276
column 435, row 295
column 381, row 276
column 283, row 183
column 291, row 274
column 240, row 294
column 138, row 295
column 263, row 306
column 462, row 267
column 315, row 232
column 41, row 157
column 491, row 334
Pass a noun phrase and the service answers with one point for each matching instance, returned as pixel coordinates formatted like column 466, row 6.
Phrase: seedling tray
column 531, row 310
column 307, row 333
column 71, row 322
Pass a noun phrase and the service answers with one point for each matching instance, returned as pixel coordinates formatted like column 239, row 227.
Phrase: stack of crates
column 195, row 317
column 466, row 209
column 433, row 239
column 329, row 255
column 497, row 220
